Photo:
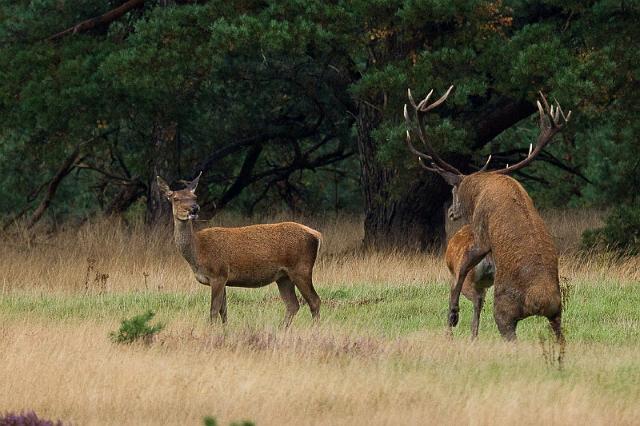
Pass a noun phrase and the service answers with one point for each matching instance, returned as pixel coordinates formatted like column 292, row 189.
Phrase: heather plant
column 137, row 328
column 28, row 418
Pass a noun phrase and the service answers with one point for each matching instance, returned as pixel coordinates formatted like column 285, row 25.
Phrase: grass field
column 379, row 355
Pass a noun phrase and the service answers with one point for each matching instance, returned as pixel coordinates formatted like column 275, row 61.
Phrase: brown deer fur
column 505, row 224
column 250, row 256
column 478, row 280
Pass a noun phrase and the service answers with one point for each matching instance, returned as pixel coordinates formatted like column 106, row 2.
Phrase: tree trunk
column 162, row 164
column 411, row 220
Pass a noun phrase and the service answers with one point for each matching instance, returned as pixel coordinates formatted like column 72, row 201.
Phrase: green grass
column 595, row 313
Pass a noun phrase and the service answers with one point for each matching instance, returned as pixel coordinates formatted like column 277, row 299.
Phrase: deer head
column 552, row 120
column 183, row 202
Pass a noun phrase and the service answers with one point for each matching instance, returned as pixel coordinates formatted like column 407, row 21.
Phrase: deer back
column 505, row 221
column 257, row 250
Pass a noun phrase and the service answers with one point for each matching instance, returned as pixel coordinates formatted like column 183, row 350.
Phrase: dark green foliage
column 621, row 231
column 136, row 329
column 267, row 98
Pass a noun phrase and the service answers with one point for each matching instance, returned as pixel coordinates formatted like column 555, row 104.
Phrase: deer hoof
column 453, row 318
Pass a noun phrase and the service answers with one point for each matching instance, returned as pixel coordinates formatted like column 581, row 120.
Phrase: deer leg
column 218, row 298
column 556, row 325
column 507, row 328
column 478, row 301
column 471, row 258
column 288, row 295
column 223, row 308
column 506, row 316
column 304, row 282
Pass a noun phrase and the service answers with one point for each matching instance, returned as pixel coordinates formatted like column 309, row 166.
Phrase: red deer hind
column 505, row 224
column 250, row 256
column 479, row 278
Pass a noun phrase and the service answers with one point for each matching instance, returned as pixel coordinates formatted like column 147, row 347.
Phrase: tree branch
column 244, row 177
column 499, row 119
column 64, row 170
column 109, row 175
column 232, row 148
column 104, row 19
column 52, row 186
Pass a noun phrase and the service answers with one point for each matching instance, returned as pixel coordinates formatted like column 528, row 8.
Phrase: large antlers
column 552, row 120
column 433, row 161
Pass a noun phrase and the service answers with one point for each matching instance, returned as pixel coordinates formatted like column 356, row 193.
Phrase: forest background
column 296, row 105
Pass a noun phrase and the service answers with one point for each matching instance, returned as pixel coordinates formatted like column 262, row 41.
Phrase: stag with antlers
column 504, row 223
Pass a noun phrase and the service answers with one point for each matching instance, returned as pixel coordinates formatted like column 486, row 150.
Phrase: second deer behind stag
column 478, row 280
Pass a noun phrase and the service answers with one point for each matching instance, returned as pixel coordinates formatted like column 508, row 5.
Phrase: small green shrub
column 211, row 421
column 136, row 328
column 620, row 233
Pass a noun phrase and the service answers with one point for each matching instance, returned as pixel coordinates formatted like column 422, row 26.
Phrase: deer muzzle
column 193, row 213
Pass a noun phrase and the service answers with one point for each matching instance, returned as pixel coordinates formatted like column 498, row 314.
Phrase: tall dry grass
column 108, row 255
column 312, row 377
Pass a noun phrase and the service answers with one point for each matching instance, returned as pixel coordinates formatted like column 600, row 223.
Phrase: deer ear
column 452, row 179
column 164, row 188
column 194, row 183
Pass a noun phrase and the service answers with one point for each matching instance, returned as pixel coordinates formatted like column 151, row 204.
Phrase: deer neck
column 184, row 237
column 467, row 194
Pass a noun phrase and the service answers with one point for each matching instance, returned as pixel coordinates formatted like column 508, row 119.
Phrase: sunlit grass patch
column 594, row 312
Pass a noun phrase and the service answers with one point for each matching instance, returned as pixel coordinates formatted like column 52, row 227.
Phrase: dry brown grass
column 317, row 376
column 136, row 258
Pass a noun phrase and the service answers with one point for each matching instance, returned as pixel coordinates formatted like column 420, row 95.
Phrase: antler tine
column 549, row 125
column 484, row 168
column 431, row 169
column 424, row 101
column 413, row 102
column 439, row 101
column 419, row 109
column 544, row 100
column 422, row 157
column 414, row 150
column 557, row 116
column 565, row 118
column 540, row 111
